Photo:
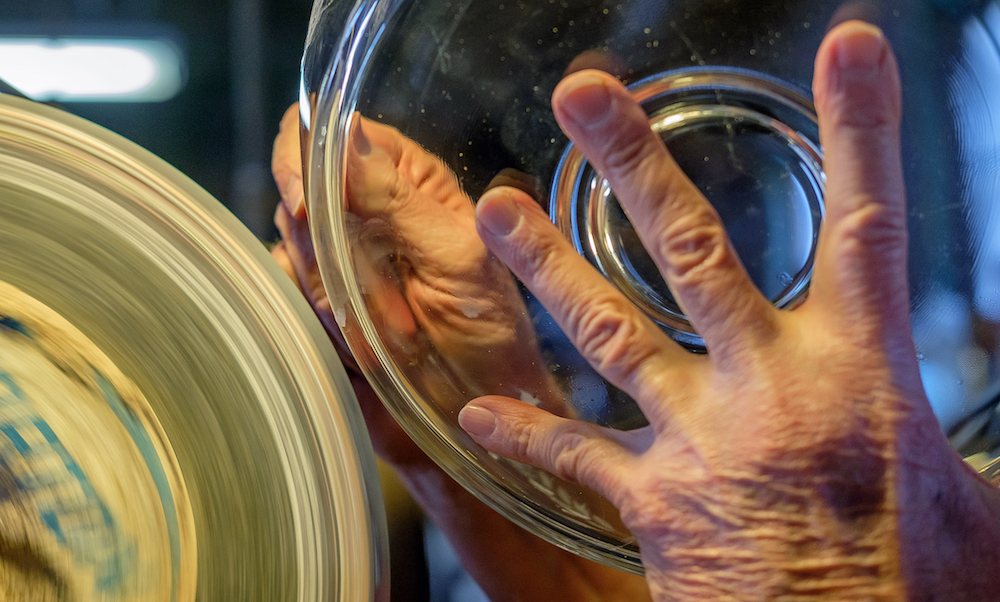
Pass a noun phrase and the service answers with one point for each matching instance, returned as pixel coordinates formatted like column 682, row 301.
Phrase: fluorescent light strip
column 91, row 69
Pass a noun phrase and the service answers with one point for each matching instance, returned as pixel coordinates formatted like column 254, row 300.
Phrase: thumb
column 570, row 449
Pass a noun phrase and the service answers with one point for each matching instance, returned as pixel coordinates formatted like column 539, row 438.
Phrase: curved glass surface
column 244, row 383
column 727, row 82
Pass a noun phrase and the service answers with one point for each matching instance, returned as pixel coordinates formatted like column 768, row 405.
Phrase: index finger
column 679, row 228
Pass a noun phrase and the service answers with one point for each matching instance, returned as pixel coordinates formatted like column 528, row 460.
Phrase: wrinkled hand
column 433, row 272
column 427, row 276
column 800, row 458
column 297, row 257
column 507, row 568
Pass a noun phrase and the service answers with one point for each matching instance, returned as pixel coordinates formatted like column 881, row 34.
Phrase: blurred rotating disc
column 90, row 492
column 256, row 477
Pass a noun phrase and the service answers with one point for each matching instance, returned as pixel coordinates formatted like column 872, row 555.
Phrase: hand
column 508, row 568
column 800, row 458
column 431, row 287
column 297, row 257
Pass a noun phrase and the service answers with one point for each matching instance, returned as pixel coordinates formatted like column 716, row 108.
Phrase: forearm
column 508, row 562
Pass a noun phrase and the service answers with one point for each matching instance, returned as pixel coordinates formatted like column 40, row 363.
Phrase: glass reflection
column 957, row 324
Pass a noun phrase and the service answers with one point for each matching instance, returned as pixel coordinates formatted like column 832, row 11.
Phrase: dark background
column 242, row 60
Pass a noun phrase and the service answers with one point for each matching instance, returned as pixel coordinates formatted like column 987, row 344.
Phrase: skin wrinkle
column 543, row 258
column 869, row 185
column 690, row 246
column 613, row 339
column 871, row 232
column 704, row 272
column 398, row 191
column 430, row 175
column 424, row 171
column 439, row 312
column 753, row 511
column 570, row 449
column 572, row 455
column 630, row 157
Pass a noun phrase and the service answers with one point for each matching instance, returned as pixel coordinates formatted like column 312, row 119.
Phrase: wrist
column 949, row 524
column 779, row 541
column 431, row 487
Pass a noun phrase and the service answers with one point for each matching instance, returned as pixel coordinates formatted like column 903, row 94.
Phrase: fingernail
column 361, row 143
column 513, row 178
column 498, row 213
column 587, row 101
column 298, row 205
column 860, row 50
column 293, row 196
column 477, row 421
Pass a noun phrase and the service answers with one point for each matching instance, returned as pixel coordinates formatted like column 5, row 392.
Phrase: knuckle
column 518, row 438
column 571, row 457
column 871, row 115
column 875, row 228
column 375, row 186
column 626, row 156
column 524, row 441
column 397, row 187
column 424, row 174
column 612, row 337
column 580, row 454
column 539, row 258
column 692, row 244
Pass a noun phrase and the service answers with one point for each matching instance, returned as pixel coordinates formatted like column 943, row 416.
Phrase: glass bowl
column 726, row 83
column 280, row 484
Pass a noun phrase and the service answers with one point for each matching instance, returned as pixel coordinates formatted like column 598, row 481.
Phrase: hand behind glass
column 429, row 282
column 442, row 280
column 508, row 567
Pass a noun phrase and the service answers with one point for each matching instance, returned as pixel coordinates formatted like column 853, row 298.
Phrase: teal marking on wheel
column 145, row 446
column 86, row 527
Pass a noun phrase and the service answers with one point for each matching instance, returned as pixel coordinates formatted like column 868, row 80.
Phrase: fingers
column 298, row 249
column 286, row 163
column 678, row 227
column 611, row 334
column 576, row 451
column 280, row 255
column 861, row 260
column 391, row 170
column 297, row 257
column 392, row 178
